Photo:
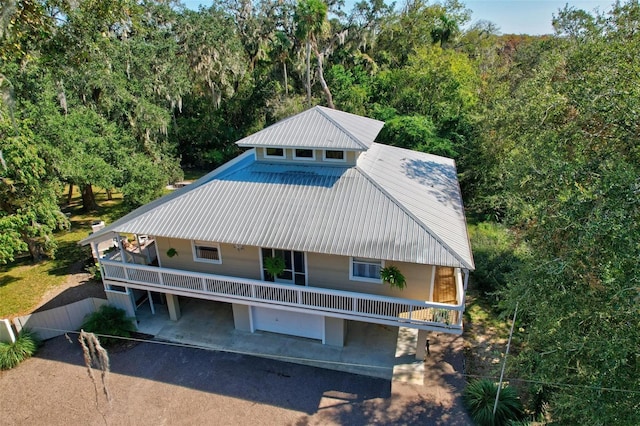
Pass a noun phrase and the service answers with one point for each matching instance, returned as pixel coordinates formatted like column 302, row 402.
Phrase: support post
column 153, row 309
column 174, row 307
column 421, row 344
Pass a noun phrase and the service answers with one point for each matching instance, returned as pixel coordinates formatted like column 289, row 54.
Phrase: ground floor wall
column 329, row 330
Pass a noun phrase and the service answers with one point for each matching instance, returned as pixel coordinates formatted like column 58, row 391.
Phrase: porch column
column 174, row 307
column 242, row 317
column 334, row 331
column 421, row 348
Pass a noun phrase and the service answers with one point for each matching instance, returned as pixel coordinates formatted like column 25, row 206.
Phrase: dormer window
column 332, row 155
column 304, row 154
column 274, row 153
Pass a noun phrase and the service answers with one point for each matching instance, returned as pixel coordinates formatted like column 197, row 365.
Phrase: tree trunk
column 323, row 83
column 70, row 195
column 286, row 80
column 308, row 72
column 88, row 198
column 35, row 248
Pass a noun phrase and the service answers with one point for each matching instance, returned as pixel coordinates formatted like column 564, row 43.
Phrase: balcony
column 393, row 311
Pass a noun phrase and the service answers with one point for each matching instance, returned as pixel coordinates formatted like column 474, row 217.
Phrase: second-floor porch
column 442, row 313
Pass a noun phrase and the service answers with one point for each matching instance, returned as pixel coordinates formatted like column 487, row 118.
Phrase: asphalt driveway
column 155, row 384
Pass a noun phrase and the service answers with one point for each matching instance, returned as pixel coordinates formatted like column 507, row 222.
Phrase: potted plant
column 274, row 265
column 392, row 276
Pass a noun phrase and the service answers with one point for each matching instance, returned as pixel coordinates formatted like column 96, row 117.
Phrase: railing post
column 299, row 297
column 204, row 284
column 355, row 304
column 160, row 279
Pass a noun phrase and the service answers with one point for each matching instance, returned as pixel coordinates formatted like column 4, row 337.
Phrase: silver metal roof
column 395, row 204
column 426, row 186
column 318, row 127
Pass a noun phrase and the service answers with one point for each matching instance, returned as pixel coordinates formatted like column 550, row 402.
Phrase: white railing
column 404, row 312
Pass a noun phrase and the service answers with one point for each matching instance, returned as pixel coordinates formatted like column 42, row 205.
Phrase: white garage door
column 286, row 322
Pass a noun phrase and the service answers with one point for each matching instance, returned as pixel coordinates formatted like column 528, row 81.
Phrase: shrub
column 12, row 354
column 95, row 271
column 496, row 256
column 479, row 398
column 109, row 321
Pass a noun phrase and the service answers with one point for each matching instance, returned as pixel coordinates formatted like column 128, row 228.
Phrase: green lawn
column 23, row 283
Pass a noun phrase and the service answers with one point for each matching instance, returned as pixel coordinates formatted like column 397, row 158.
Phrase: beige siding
column 323, row 270
column 244, row 263
column 351, row 157
column 331, row 271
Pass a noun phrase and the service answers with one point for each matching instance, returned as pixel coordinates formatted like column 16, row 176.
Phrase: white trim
column 335, row 160
column 279, row 157
column 364, row 279
column 208, row 245
column 312, row 158
column 433, row 281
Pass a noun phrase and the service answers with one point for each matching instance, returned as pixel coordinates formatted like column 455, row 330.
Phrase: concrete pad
column 406, row 368
column 369, row 348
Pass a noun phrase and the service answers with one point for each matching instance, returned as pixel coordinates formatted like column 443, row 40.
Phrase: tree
column 310, row 16
column 417, row 133
column 29, row 214
column 571, row 176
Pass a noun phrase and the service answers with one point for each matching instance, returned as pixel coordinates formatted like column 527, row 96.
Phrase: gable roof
column 395, row 204
column 318, row 127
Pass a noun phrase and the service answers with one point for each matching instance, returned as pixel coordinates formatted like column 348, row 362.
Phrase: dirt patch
column 79, row 285
column 485, row 340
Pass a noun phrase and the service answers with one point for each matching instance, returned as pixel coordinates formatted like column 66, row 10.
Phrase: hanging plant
column 392, row 276
column 172, row 252
column 274, row 265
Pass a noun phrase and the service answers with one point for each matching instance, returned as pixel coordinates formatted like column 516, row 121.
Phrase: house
column 316, row 191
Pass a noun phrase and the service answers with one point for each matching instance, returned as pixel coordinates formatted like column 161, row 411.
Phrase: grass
column 194, row 174
column 23, row 283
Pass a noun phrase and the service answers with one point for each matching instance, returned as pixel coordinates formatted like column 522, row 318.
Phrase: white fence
column 54, row 322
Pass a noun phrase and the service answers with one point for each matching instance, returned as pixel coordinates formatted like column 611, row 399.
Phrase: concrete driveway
column 155, row 384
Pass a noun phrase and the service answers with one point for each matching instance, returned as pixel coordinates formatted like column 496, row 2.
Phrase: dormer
column 317, row 136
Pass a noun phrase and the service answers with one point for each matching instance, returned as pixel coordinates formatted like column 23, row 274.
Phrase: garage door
column 286, row 322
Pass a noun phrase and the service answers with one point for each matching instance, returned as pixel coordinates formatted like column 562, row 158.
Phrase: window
column 294, row 266
column 117, row 289
column 206, row 252
column 365, row 270
column 274, row 153
column 330, row 155
column 304, row 154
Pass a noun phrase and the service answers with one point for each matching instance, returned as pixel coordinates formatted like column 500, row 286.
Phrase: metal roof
column 427, row 187
column 320, row 128
column 395, row 204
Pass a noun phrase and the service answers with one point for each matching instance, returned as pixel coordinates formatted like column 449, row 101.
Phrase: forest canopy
column 124, row 95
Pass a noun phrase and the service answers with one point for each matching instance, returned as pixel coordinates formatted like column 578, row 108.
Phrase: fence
column 54, row 322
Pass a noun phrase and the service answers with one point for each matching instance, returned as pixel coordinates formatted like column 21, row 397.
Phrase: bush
column 479, row 398
column 109, row 321
column 12, row 354
column 495, row 254
column 95, row 271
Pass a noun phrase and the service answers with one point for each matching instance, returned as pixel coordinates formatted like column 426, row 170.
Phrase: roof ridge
column 414, row 217
column 321, row 109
